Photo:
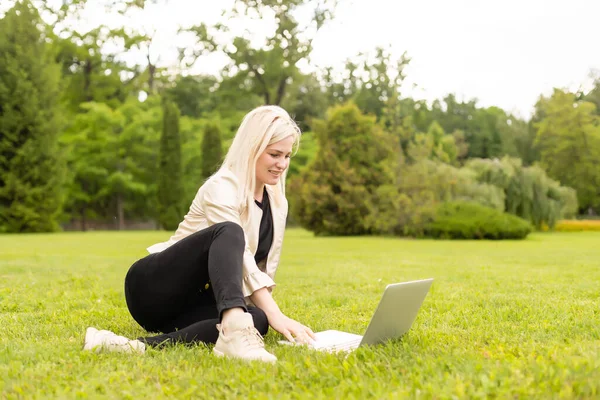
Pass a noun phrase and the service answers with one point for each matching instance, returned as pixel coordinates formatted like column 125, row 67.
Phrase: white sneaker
column 242, row 341
column 98, row 341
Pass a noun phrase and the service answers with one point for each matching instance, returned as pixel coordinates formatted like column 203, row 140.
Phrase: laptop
column 393, row 317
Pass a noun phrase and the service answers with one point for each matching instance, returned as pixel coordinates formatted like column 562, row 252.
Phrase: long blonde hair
column 261, row 127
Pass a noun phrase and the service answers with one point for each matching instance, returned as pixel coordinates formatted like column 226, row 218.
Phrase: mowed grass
column 511, row 319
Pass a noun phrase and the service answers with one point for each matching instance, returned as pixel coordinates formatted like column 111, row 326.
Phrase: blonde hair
column 260, row 128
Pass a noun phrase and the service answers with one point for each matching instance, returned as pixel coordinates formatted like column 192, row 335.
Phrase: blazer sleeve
column 221, row 204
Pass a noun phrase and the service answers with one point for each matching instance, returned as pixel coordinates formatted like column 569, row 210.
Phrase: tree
column 31, row 168
column 528, row 192
column 306, row 101
column 190, row 94
column 380, row 82
column 340, row 192
column 268, row 68
column 593, row 96
column 568, row 138
column 212, row 149
column 113, row 161
column 170, row 172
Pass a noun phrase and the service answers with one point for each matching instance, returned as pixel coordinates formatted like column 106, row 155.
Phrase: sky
column 504, row 53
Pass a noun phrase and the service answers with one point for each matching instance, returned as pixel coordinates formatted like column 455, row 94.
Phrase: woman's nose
column 282, row 164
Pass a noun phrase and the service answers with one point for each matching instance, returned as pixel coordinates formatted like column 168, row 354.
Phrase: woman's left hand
column 300, row 333
column 292, row 330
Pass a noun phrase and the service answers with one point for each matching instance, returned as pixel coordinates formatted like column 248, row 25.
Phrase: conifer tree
column 31, row 169
column 170, row 175
column 212, row 150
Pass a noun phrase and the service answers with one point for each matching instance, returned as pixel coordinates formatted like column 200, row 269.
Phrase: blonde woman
column 211, row 281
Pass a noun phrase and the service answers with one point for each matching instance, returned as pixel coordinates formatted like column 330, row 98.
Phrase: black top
column 265, row 236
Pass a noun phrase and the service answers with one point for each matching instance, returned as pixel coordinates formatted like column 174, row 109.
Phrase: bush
column 462, row 220
column 426, row 184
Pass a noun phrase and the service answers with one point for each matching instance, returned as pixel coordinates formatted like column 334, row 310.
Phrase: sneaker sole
column 221, row 354
column 218, row 353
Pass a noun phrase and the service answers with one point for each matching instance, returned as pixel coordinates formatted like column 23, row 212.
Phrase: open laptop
column 393, row 317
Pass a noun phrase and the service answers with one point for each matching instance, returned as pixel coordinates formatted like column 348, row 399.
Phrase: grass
column 510, row 319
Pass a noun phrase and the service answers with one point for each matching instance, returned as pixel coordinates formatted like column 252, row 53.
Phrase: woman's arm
column 292, row 330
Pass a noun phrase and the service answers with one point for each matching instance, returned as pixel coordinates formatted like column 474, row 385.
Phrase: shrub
column 424, row 185
column 463, row 220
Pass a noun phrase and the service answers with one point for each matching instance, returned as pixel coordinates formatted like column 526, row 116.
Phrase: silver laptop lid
column 396, row 311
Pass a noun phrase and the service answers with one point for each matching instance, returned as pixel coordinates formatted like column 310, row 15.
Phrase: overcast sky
column 503, row 53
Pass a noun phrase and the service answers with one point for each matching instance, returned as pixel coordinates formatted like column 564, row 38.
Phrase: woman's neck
column 258, row 193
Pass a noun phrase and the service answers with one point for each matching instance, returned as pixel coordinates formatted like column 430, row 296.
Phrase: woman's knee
column 261, row 323
column 232, row 231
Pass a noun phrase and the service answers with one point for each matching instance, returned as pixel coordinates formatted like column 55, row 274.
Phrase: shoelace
column 111, row 338
column 252, row 338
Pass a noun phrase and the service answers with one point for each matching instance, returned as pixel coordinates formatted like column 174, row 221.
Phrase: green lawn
column 516, row 319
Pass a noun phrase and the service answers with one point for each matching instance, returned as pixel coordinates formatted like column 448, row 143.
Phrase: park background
column 101, row 132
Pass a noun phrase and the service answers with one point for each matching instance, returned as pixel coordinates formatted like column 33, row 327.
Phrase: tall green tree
column 212, row 149
column 113, row 161
column 345, row 189
column 568, row 138
column 170, row 172
column 31, row 168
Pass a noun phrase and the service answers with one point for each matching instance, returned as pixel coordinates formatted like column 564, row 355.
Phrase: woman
column 211, row 281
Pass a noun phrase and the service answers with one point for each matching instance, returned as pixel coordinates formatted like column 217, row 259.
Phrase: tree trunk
column 151, row 71
column 87, row 79
column 281, row 90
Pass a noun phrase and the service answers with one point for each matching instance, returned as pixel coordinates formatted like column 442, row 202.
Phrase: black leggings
column 183, row 290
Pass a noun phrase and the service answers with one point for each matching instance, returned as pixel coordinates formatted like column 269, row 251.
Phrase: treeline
column 86, row 137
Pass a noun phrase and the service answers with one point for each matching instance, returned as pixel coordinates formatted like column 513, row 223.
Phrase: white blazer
column 218, row 200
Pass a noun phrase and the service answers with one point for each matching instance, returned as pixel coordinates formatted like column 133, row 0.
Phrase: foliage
column 337, row 193
column 528, row 192
column 306, row 153
column 572, row 225
column 568, row 138
column 170, row 171
column 424, row 185
column 31, row 166
column 461, row 220
column 212, row 149
column 306, row 100
column 113, row 160
column 380, row 80
column 268, row 68
column 110, row 132
column 189, row 93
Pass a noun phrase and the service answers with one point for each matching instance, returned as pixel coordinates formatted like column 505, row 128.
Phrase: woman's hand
column 293, row 330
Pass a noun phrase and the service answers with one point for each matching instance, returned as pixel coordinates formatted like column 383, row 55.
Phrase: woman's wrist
column 262, row 299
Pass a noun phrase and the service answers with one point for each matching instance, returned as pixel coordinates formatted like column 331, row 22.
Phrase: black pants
column 183, row 290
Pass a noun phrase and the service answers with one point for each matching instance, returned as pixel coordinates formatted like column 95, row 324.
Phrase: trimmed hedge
column 464, row 220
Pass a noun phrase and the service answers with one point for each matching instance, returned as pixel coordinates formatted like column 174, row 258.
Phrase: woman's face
column 273, row 161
